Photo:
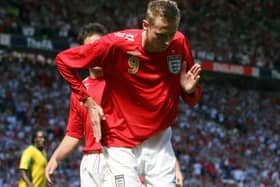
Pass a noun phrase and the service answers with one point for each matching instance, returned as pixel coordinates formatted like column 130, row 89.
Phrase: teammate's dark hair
column 89, row 29
column 34, row 133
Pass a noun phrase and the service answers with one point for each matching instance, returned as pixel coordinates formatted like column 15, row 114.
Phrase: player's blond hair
column 163, row 8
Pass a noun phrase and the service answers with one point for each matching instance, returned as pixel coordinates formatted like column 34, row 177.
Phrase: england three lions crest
column 174, row 64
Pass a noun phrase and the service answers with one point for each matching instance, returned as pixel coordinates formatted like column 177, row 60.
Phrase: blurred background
column 232, row 138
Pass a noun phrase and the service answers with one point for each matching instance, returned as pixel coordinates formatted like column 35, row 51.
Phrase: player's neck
column 95, row 74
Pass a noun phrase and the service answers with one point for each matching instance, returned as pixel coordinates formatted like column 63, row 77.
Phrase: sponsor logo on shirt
column 174, row 63
column 133, row 53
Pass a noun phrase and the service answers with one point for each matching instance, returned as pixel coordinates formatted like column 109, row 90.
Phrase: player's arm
column 190, row 90
column 65, row 148
column 189, row 77
column 72, row 138
column 24, row 166
column 24, row 175
column 179, row 175
column 96, row 115
column 68, row 62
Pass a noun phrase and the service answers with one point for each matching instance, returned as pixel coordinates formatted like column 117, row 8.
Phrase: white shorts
column 154, row 159
column 93, row 168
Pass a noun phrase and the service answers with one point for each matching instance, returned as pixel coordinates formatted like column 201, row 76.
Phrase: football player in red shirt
column 146, row 72
column 93, row 166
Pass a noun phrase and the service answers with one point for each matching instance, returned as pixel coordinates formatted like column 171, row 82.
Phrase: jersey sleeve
column 75, row 121
column 26, row 159
column 194, row 98
column 81, row 57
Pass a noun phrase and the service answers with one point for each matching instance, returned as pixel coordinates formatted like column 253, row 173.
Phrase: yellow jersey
column 34, row 161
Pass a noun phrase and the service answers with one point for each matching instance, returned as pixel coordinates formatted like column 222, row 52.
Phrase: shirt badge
column 119, row 179
column 174, row 63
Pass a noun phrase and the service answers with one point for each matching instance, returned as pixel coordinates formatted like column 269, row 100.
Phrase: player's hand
column 179, row 178
column 189, row 79
column 96, row 115
column 51, row 167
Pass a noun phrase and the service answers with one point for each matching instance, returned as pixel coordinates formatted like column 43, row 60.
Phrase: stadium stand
column 230, row 139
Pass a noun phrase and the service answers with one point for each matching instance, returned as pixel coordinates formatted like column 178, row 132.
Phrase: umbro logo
column 134, row 53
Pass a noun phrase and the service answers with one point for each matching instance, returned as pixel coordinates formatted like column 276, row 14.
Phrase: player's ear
column 145, row 24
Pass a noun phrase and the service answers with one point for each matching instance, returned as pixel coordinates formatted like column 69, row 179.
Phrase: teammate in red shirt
column 146, row 71
column 79, row 126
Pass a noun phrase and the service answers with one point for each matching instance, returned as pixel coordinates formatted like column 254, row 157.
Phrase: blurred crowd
column 231, row 137
column 31, row 94
column 237, row 31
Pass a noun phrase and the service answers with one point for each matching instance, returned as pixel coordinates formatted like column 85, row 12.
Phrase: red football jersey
column 142, row 88
column 78, row 125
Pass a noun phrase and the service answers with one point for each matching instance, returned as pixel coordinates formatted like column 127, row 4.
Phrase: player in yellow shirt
column 33, row 162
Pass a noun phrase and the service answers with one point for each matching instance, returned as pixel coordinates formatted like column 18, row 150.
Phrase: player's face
column 158, row 36
column 40, row 139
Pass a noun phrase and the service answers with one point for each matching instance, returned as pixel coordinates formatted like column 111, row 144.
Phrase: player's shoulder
column 179, row 36
column 85, row 80
column 126, row 35
column 28, row 149
column 88, row 80
column 125, row 32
